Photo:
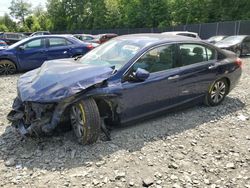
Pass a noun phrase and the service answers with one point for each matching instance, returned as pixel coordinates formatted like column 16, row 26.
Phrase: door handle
column 212, row 67
column 65, row 52
column 173, row 77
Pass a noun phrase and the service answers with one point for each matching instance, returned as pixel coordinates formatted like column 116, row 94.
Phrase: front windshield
column 233, row 39
column 114, row 53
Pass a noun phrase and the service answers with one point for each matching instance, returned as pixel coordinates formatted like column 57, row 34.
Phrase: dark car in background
column 125, row 79
column 31, row 52
column 104, row 37
column 239, row 44
column 11, row 38
column 216, row 38
column 85, row 37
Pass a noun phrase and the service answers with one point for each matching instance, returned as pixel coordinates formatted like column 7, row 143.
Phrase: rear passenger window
column 192, row 53
column 53, row 42
column 195, row 53
column 211, row 54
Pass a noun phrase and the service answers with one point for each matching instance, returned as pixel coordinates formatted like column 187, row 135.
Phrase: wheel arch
column 228, row 83
column 106, row 109
column 9, row 59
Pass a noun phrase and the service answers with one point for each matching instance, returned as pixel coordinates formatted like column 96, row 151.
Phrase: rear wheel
column 7, row 67
column 217, row 93
column 85, row 121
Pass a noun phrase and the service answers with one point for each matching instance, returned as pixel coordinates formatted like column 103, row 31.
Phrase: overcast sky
column 5, row 4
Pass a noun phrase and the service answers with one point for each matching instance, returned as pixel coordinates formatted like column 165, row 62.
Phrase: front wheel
column 85, row 121
column 7, row 67
column 216, row 93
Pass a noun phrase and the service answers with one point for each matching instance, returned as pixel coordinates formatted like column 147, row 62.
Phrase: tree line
column 75, row 15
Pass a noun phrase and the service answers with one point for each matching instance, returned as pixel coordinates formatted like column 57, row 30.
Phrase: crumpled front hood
column 59, row 79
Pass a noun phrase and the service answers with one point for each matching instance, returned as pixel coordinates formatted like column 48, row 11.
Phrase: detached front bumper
column 35, row 119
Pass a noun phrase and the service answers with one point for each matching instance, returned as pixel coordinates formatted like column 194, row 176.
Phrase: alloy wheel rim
column 218, row 91
column 7, row 68
column 77, row 121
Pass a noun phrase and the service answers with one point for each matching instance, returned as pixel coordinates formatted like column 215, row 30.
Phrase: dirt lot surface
column 196, row 147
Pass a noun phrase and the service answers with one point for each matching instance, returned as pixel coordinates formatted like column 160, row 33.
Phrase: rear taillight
column 238, row 62
column 90, row 46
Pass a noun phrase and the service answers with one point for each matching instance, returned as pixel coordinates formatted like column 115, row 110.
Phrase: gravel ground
column 196, row 147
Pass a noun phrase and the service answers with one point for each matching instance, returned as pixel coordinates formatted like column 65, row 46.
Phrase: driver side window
column 156, row 60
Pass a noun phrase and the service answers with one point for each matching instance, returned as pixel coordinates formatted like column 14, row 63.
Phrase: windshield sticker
column 131, row 48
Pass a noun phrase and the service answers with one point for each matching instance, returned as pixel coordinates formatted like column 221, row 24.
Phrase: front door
column 159, row 91
column 32, row 54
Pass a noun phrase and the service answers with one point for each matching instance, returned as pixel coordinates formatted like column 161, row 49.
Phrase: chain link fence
column 205, row 30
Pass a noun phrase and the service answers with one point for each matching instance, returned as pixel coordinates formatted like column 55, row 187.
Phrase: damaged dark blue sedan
column 126, row 79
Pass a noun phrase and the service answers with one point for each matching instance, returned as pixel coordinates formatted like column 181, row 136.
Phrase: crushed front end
column 35, row 119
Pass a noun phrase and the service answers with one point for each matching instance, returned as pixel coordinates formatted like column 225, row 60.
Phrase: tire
column 85, row 121
column 238, row 53
column 216, row 93
column 7, row 67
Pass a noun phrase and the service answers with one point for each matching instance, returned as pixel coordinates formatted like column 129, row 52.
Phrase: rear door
column 198, row 68
column 58, row 48
column 32, row 54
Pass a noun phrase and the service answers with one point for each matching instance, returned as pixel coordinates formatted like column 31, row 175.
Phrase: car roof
column 41, row 32
column 156, row 38
column 83, row 35
column 177, row 32
column 148, row 39
column 48, row 36
column 107, row 34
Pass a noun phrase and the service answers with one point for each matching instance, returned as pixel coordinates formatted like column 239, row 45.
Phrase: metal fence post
column 239, row 28
column 217, row 28
column 199, row 29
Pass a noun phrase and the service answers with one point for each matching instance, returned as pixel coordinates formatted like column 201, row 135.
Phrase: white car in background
column 183, row 33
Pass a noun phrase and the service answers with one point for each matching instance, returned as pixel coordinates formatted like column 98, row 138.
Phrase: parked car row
column 11, row 38
column 101, row 38
column 28, row 53
column 33, row 51
column 239, row 44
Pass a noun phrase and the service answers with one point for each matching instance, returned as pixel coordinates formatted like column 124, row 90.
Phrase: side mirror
column 139, row 76
column 21, row 47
